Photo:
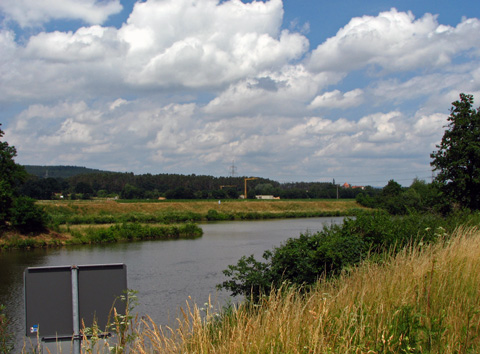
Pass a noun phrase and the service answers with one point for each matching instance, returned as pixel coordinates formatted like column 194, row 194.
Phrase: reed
column 424, row 299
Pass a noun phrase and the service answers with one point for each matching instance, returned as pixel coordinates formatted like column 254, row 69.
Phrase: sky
column 305, row 90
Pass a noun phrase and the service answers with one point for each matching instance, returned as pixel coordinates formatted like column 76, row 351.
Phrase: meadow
column 104, row 211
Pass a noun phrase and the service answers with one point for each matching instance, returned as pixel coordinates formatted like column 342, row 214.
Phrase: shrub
column 248, row 277
column 213, row 215
column 305, row 259
column 136, row 231
column 26, row 216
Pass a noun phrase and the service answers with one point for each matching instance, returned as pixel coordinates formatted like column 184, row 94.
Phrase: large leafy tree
column 20, row 212
column 457, row 159
column 11, row 175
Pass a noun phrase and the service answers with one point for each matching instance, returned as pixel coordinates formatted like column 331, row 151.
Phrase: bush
column 136, row 232
column 26, row 216
column 248, row 277
column 305, row 259
column 213, row 215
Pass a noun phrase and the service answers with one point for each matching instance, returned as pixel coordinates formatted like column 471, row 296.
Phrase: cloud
column 395, row 41
column 87, row 44
column 170, row 44
column 175, row 138
column 32, row 13
column 188, row 86
column 336, row 99
column 284, row 92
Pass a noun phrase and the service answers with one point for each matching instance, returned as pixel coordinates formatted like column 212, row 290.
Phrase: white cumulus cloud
column 31, row 13
column 395, row 41
column 337, row 99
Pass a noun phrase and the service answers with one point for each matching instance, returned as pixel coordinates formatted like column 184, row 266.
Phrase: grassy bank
column 109, row 211
column 422, row 300
column 126, row 232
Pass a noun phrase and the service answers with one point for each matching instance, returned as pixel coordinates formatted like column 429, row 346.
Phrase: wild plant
column 6, row 336
column 120, row 332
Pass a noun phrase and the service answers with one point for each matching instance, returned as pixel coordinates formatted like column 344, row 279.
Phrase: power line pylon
column 233, row 169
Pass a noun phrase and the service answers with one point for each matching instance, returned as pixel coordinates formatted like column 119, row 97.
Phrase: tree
column 131, row 192
column 457, row 159
column 11, row 175
column 26, row 217
column 392, row 189
column 20, row 212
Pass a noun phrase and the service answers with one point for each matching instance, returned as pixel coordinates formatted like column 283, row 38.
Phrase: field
column 108, row 211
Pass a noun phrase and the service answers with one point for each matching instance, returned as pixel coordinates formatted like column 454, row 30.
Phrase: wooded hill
column 58, row 171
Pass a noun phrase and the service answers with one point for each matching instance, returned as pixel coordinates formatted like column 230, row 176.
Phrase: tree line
column 175, row 186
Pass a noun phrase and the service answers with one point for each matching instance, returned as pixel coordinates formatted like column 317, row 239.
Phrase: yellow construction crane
column 248, row 179
column 228, row 186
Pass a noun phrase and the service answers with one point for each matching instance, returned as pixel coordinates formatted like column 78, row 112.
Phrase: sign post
column 60, row 299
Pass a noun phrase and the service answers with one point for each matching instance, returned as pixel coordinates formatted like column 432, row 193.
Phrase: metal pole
column 76, row 342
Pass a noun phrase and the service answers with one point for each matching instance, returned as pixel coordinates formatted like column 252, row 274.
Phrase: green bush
column 213, row 215
column 136, row 231
column 305, row 259
column 26, row 217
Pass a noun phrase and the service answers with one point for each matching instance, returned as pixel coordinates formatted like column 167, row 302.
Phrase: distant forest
column 58, row 171
column 50, row 182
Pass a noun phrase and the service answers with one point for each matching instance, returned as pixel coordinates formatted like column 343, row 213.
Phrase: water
column 165, row 273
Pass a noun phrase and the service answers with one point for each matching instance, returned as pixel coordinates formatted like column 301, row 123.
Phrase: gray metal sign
column 59, row 299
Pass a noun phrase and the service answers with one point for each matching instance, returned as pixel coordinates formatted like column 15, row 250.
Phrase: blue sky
column 304, row 90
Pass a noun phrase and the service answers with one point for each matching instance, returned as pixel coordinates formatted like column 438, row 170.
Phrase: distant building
column 346, row 185
column 268, row 197
column 358, row 187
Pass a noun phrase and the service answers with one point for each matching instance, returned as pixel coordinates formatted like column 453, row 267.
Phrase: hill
column 59, row 171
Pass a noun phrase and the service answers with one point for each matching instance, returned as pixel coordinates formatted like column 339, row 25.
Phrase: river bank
column 99, row 234
column 104, row 221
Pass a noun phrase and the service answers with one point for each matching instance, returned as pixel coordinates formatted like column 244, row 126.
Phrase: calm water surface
column 165, row 273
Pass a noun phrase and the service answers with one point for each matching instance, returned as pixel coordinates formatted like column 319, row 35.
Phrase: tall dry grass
column 423, row 300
